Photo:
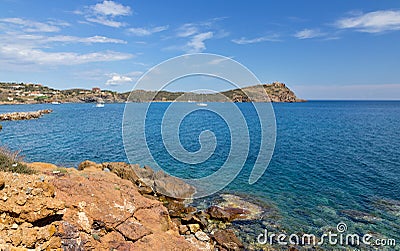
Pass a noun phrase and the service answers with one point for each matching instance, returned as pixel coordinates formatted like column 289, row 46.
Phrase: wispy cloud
column 105, row 21
column 116, row 79
column 33, row 26
column 219, row 60
column 308, row 33
column 110, row 8
column 371, row 22
column 22, row 45
column 87, row 40
column 35, row 40
column 28, row 55
column 196, row 44
column 196, row 34
column 105, row 13
column 243, row 40
column 142, row 31
column 187, row 30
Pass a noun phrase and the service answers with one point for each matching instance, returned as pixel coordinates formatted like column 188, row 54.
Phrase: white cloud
column 88, row 40
column 110, row 8
column 118, row 79
column 196, row 44
column 105, row 13
column 243, row 40
column 28, row 55
column 196, row 33
column 105, row 21
column 33, row 26
column 34, row 40
column 146, row 31
column 308, row 33
column 219, row 60
column 372, row 22
column 187, row 30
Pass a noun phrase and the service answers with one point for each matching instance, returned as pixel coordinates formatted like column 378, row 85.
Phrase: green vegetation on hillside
column 12, row 93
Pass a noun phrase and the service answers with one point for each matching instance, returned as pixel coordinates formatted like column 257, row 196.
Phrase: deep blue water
column 329, row 155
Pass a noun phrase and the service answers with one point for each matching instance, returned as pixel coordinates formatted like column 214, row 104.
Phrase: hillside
column 20, row 93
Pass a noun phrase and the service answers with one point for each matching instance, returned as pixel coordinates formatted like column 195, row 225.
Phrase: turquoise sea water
column 330, row 156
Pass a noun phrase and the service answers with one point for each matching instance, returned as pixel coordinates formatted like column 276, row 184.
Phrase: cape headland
column 20, row 93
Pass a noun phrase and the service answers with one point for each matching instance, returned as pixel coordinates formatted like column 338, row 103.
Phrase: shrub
column 10, row 161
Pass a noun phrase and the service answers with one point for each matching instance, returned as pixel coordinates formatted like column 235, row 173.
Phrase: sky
column 320, row 49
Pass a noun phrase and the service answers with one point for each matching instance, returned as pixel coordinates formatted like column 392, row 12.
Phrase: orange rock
column 41, row 167
column 84, row 210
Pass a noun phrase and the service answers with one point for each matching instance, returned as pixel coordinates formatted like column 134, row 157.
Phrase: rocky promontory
column 24, row 115
column 108, row 206
column 20, row 93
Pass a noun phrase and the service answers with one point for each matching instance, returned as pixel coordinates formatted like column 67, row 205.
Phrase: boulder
column 150, row 181
column 194, row 219
column 122, row 170
column 193, row 227
column 176, row 208
column 183, row 229
column 228, row 240
column 88, row 164
column 218, row 213
column 200, row 235
column 172, row 187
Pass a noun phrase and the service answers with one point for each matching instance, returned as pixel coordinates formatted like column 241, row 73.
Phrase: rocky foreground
column 109, row 206
column 24, row 115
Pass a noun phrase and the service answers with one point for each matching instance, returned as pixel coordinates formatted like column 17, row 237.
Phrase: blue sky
column 320, row 49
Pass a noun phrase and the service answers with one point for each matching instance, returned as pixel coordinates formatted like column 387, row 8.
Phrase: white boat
column 99, row 105
column 55, row 103
column 202, row 101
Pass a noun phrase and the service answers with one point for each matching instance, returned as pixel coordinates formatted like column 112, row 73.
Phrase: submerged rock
column 390, row 206
column 359, row 216
column 172, row 187
column 227, row 240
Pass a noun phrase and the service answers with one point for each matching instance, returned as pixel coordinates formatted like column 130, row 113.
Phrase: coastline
column 158, row 101
column 111, row 205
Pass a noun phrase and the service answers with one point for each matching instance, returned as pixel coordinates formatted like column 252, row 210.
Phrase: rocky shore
column 24, row 115
column 109, row 206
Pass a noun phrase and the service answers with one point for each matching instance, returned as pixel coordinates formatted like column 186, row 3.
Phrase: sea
column 333, row 162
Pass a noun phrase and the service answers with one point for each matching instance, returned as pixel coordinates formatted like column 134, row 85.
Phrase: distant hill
column 20, row 93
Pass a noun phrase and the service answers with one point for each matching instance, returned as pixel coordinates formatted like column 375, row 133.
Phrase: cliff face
column 277, row 92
